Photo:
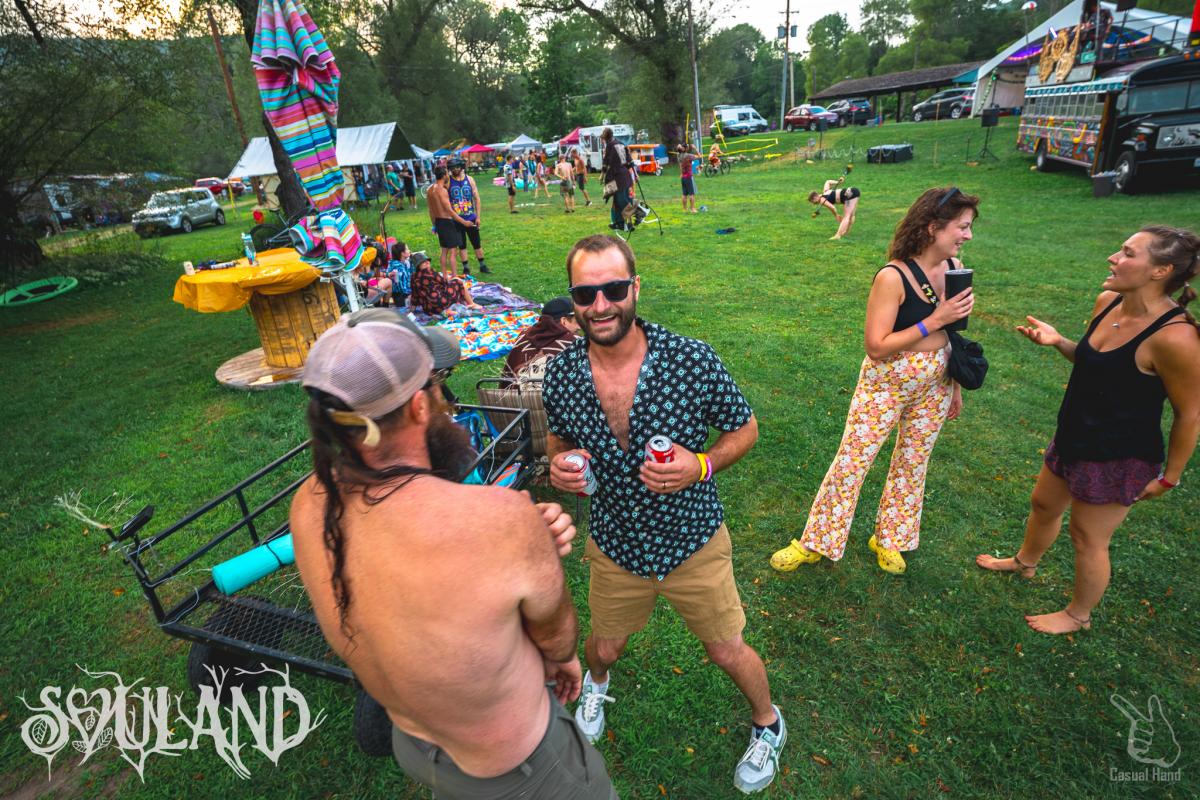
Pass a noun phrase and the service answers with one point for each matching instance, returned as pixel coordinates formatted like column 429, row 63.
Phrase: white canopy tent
column 523, row 143
column 356, row 147
column 1004, row 85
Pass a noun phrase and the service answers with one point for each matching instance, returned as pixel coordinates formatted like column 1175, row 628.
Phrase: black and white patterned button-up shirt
column 683, row 389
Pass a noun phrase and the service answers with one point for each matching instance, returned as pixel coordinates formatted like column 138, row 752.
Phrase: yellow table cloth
column 279, row 271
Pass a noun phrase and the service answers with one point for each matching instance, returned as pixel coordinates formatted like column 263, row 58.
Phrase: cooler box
column 889, row 153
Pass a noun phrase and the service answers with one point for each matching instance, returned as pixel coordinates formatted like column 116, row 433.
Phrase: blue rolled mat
column 241, row 571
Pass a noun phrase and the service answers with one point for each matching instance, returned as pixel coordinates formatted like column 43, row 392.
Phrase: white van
column 592, row 149
column 737, row 121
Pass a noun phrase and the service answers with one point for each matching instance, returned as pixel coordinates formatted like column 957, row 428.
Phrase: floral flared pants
column 908, row 391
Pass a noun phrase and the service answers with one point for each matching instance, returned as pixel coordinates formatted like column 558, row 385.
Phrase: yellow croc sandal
column 792, row 556
column 889, row 560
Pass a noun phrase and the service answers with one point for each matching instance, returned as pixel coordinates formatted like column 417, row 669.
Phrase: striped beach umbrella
column 298, row 82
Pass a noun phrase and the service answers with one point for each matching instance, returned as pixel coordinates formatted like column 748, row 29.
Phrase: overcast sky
column 766, row 15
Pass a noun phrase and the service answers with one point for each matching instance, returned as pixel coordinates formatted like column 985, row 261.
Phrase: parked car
column 810, row 117
column 177, row 210
column 737, row 121
column 214, row 185
column 948, row 104
column 238, row 186
column 852, row 111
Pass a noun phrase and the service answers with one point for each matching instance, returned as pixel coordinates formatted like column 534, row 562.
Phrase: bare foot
column 1057, row 623
column 833, row 238
column 1005, row 565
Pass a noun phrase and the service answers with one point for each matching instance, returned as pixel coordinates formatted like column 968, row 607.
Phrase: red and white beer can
column 589, row 478
column 660, row 449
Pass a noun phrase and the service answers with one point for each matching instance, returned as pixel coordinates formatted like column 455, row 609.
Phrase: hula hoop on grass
column 37, row 291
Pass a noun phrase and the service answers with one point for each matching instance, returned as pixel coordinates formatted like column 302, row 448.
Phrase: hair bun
column 1187, row 295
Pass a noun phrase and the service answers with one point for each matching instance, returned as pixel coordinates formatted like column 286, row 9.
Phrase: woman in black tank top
column 902, row 383
column 1140, row 349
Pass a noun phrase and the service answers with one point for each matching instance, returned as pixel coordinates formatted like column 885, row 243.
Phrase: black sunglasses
column 947, row 196
column 614, row 292
column 437, row 378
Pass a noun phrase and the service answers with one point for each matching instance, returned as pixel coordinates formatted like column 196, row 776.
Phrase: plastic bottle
column 248, row 247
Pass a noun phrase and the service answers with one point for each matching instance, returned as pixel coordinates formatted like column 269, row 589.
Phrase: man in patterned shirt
column 656, row 529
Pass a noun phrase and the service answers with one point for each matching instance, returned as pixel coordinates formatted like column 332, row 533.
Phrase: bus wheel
column 1042, row 158
column 1124, row 181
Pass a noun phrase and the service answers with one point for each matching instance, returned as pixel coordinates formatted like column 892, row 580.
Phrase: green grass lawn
column 926, row 685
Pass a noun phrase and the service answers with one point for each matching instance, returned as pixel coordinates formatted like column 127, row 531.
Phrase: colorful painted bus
column 1137, row 120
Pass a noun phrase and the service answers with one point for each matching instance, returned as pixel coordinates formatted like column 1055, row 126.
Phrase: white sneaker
column 757, row 768
column 589, row 714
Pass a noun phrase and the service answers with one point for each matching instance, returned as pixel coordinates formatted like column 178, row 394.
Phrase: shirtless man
column 384, row 534
column 446, row 223
column 581, row 176
column 565, row 170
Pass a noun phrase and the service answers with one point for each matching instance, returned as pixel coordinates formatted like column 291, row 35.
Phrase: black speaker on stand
column 988, row 118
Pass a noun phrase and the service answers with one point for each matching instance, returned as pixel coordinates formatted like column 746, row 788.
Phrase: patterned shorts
column 1102, row 482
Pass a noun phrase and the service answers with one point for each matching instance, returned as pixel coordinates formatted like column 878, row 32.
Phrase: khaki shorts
column 701, row 590
column 562, row 767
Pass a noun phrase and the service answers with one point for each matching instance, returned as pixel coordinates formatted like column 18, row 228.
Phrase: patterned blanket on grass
column 483, row 337
column 491, row 332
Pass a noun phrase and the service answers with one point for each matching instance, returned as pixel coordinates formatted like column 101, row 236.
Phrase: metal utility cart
column 271, row 621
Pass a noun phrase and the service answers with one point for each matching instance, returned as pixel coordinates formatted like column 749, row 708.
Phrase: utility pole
column 783, row 92
column 787, row 52
column 787, row 92
column 237, row 114
column 695, row 78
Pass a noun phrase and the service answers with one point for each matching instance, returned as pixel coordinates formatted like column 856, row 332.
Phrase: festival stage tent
column 479, row 148
column 1001, row 81
column 523, row 143
column 571, row 138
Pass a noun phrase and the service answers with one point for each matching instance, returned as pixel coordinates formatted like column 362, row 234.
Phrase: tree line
column 137, row 87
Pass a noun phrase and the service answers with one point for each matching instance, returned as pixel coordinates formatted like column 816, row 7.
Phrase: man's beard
column 449, row 446
column 625, row 317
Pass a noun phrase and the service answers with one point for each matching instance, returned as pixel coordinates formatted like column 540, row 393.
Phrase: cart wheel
column 235, row 622
column 372, row 726
column 205, row 655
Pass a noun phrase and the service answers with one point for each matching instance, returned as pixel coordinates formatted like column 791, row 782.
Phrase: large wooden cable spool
column 289, row 324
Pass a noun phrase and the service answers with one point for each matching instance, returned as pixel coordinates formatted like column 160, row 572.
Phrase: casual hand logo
column 1144, row 729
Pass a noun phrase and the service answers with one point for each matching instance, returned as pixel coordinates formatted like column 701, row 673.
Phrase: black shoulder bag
column 967, row 364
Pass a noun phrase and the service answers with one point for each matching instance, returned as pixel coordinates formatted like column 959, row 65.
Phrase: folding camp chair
column 525, row 395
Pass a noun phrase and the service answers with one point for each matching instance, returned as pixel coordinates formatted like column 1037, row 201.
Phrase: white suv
column 177, row 210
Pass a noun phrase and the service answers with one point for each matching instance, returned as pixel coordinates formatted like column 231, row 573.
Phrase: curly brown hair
column 937, row 207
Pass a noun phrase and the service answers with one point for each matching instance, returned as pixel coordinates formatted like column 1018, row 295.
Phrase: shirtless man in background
column 384, row 536
column 447, row 224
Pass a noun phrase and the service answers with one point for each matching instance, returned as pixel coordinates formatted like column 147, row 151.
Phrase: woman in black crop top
column 1141, row 348
column 902, row 383
column 830, row 196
